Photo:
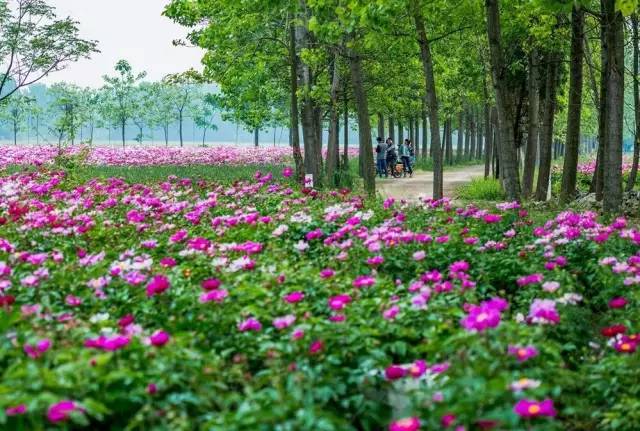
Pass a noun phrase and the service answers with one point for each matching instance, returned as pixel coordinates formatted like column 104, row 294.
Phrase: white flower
column 301, row 246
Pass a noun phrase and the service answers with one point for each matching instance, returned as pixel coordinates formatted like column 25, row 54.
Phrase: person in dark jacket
column 381, row 158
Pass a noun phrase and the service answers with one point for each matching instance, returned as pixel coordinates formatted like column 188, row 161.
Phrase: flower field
column 258, row 306
column 151, row 156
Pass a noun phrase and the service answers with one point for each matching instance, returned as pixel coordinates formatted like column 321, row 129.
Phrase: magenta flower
column 484, row 316
column 60, row 411
column 327, row 273
column 37, row 350
column 531, row 408
column 316, row 347
column 20, row 409
column 109, row 344
column 406, row 424
column 619, row 302
column 459, row 266
column 157, row 285
column 250, row 324
column 73, row 301
column 159, row 338
column 214, row 295
column 211, row 284
column 394, row 372
column 338, row 302
column 522, row 353
column 152, row 388
column 287, row 172
column 375, row 260
column 294, row 297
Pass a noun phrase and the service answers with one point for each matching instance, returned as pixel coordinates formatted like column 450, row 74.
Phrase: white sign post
column 308, row 180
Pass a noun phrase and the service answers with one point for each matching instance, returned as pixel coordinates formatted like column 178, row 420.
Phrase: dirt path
column 422, row 183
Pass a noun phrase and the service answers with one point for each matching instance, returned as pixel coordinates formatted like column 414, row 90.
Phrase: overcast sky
column 133, row 30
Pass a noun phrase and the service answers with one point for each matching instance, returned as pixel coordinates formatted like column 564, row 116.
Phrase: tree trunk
column 531, row 154
column 507, row 149
column 473, row 128
column 546, row 136
column 449, row 144
column 460, row 145
column 123, row 126
column 204, row 136
column 412, row 136
column 256, row 137
column 364, row 123
column 612, row 161
column 312, row 162
column 431, row 99
column 488, row 146
column 574, row 111
column 334, row 126
column 400, row 133
column 380, row 126
column 633, row 174
column 478, row 152
column 166, row 135
column 597, row 185
column 345, row 125
column 392, row 129
column 467, row 135
column 416, row 143
column 425, row 137
column 180, row 121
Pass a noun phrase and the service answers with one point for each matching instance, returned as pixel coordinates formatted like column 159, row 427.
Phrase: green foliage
column 35, row 42
column 481, row 189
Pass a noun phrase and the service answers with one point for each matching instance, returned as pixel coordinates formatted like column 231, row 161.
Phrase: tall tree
column 35, row 42
column 507, row 147
column 635, row 40
column 120, row 90
column 572, row 146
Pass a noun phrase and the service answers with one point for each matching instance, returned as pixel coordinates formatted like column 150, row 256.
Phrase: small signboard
column 308, row 180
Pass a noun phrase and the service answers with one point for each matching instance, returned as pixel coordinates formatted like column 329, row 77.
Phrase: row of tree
column 70, row 113
column 509, row 72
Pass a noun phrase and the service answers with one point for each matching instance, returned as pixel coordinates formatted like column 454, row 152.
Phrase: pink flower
column 338, row 302
column 626, row 346
column 157, row 285
column 363, row 281
column 284, row 321
column 287, row 172
column 419, row 255
column 522, row 353
column 530, row 279
column 543, row 311
column 459, row 266
column 250, row 324
column 447, row 420
column 108, row 344
column 531, row 408
column 619, row 302
column 417, row 369
column 168, row 262
column 152, row 388
column 37, row 350
column 60, row 411
column 406, row 424
column 73, row 301
column 159, row 338
column 20, row 409
column 327, row 273
column 484, row 316
column 391, row 313
column 316, row 347
column 294, row 297
column 297, row 334
column 214, row 295
column 375, row 260
column 394, row 372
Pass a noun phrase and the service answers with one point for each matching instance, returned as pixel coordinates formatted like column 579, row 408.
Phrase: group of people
column 388, row 156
